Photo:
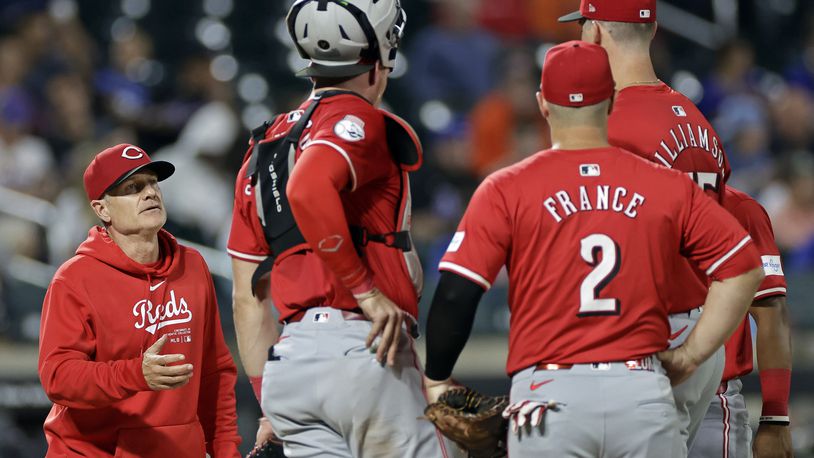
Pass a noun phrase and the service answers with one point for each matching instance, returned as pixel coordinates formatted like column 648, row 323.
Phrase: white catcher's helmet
column 344, row 38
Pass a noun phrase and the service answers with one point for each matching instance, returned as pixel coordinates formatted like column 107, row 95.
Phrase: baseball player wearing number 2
column 659, row 124
column 589, row 236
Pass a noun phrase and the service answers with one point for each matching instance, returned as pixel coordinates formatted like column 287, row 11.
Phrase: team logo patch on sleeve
column 589, row 170
column 350, row 128
column 457, row 239
column 771, row 265
column 294, row 116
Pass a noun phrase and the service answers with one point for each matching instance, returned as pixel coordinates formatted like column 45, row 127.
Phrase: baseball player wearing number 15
column 589, row 235
column 661, row 125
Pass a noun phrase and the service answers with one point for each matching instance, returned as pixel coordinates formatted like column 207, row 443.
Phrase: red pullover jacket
column 101, row 312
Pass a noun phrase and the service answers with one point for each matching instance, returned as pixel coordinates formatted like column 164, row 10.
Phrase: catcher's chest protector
column 270, row 167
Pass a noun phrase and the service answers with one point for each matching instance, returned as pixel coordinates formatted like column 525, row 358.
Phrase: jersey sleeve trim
column 728, row 255
column 245, row 256
column 779, row 291
column 344, row 154
column 451, row 267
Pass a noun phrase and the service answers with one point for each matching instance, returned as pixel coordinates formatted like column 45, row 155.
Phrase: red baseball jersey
column 755, row 220
column 663, row 126
column 589, row 239
column 350, row 126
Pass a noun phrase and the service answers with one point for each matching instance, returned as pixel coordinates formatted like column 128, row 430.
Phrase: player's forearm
column 773, row 333
column 725, row 306
column 449, row 323
column 256, row 332
column 255, row 326
column 314, row 195
column 774, row 358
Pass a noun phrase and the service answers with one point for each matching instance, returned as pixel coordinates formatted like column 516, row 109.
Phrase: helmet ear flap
column 291, row 20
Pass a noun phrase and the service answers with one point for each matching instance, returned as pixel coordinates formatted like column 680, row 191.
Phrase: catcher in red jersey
column 657, row 123
column 322, row 219
column 589, row 236
column 725, row 431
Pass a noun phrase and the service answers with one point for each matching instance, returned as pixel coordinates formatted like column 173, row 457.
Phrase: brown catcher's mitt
column 471, row 420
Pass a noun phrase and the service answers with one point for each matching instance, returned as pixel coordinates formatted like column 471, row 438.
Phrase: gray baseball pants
column 326, row 395
column 725, row 430
column 693, row 396
column 609, row 411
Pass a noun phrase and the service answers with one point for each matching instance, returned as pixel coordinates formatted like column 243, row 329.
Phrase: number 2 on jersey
column 604, row 270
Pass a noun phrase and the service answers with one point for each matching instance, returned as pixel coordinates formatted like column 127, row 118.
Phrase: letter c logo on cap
column 126, row 153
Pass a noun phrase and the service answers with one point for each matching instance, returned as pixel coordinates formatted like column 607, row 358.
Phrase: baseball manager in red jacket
column 131, row 348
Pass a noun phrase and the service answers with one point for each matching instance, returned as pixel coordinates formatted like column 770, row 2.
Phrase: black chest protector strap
column 270, row 167
column 400, row 239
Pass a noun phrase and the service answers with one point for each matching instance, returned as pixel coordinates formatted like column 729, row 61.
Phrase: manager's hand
column 157, row 370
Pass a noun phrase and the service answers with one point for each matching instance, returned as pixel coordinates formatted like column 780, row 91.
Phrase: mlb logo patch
column 589, row 170
column 591, row 8
column 575, row 97
column 321, row 317
column 644, row 14
column 679, row 111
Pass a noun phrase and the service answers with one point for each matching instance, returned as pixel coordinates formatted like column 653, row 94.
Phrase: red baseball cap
column 116, row 164
column 576, row 74
column 614, row 11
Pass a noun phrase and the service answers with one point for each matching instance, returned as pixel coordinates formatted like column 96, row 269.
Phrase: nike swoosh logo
column 534, row 386
column 675, row 335
column 156, row 286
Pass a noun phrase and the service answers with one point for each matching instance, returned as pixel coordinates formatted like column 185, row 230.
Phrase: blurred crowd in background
column 187, row 79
